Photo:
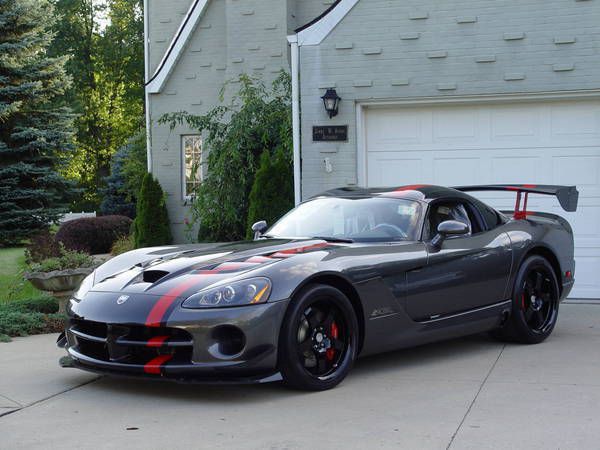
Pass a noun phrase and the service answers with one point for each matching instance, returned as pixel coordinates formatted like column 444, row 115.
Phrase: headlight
column 244, row 292
column 84, row 287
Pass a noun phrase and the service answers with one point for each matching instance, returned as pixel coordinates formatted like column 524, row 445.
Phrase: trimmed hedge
column 151, row 225
column 93, row 235
column 272, row 193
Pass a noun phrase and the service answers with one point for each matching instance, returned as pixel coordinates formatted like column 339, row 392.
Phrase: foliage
column 24, row 323
column 42, row 245
column 122, row 245
column 105, row 39
column 35, row 129
column 257, row 120
column 114, row 199
column 135, row 166
column 68, row 259
column 13, row 286
column 272, row 193
column 127, row 170
column 93, row 235
column 151, row 225
column 43, row 304
column 29, row 316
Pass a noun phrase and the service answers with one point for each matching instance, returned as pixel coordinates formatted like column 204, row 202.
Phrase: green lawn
column 12, row 284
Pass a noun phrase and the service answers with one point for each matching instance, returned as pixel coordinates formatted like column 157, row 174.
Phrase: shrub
column 272, row 193
column 69, row 259
column 152, row 220
column 29, row 316
column 93, row 235
column 122, row 245
column 127, row 169
column 18, row 323
column 45, row 305
column 43, row 245
column 258, row 119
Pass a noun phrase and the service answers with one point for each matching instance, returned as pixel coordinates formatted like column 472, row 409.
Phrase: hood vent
column 152, row 276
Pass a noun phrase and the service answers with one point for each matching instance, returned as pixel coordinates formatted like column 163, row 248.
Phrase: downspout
column 293, row 40
column 146, row 93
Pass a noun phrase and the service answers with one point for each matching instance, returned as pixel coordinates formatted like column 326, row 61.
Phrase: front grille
column 129, row 344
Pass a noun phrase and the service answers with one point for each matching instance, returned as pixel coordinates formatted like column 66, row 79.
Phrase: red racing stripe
column 156, row 315
column 154, row 365
column 157, row 341
column 411, row 187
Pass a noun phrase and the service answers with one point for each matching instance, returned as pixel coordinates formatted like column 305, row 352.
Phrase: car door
column 465, row 272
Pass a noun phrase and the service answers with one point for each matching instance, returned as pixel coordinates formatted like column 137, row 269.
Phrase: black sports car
column 350, row 272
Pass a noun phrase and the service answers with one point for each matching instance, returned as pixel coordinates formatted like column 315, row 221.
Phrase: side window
column 490, row 216
column 192, row 164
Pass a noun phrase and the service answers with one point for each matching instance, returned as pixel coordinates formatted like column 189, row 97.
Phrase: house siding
column 410, row 50
column 231, row 38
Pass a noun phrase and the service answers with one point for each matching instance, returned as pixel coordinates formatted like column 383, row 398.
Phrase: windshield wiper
column 333, row 239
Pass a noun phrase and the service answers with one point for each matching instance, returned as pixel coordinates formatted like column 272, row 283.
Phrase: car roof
column 420, row 192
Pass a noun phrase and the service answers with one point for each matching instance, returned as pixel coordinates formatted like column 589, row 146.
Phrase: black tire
column 319, row 339
column 535, row 303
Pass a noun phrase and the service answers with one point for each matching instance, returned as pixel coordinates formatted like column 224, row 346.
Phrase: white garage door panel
column 542, row 143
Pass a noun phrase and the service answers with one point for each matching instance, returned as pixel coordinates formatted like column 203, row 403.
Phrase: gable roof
column 157, row 81
column 312, row 33
column 315, row 31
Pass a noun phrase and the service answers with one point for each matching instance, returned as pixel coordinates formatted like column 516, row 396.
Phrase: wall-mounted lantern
column 331, row 101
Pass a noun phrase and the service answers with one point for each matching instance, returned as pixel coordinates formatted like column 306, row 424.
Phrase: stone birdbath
column 61, row 283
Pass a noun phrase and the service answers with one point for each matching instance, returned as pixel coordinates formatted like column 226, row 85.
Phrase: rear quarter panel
column 546, row 231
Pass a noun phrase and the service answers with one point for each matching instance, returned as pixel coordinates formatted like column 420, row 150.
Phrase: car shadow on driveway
column 464, row 359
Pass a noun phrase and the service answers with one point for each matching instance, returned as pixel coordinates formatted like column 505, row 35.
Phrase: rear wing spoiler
column 567, row 196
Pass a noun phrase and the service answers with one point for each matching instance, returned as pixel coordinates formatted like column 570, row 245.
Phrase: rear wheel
column 535, row 303
column 319, row 339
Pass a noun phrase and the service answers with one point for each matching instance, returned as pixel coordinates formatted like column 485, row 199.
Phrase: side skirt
column 472, row 315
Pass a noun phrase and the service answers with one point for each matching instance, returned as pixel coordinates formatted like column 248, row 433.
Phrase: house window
column 192, row 164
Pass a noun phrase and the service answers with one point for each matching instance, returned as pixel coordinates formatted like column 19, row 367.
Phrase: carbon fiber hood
column 162, row 270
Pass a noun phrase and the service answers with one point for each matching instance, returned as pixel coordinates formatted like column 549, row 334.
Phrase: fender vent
column 152, row 276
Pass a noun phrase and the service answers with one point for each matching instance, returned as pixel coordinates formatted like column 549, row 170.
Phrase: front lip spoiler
column 185, row 374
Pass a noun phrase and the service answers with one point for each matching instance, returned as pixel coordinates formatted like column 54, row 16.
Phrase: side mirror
column 449, row 228
column 259, row 228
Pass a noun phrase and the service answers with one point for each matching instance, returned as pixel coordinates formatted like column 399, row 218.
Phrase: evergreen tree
column 34, row 131
column 114, row 197
column 272, row 193
column 151, row 225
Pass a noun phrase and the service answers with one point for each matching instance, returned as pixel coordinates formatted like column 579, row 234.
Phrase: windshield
column 364, row 219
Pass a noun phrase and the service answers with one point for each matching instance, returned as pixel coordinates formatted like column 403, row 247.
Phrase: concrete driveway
column 467, row 393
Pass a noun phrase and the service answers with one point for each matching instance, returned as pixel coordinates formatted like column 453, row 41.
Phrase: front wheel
column 535, row 303
column 319, row 339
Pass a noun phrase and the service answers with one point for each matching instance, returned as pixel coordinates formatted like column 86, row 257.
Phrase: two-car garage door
column 525, row 142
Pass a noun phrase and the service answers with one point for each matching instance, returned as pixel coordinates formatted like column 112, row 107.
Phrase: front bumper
column 236, row 344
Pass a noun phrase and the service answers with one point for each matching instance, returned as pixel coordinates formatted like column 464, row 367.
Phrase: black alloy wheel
column 535, row 303
column 538, row 300
column 319, row 339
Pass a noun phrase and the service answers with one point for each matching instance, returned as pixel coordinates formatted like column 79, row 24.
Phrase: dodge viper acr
column 348, row 273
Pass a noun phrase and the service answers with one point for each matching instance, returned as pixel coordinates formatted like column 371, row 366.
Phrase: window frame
column 185, row 195
column 472, row 211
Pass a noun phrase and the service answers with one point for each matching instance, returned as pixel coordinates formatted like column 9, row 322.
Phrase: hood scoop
column 152, row 276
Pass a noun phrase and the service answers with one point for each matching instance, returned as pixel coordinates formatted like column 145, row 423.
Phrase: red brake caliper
column 334, row 335
column 523, row 301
